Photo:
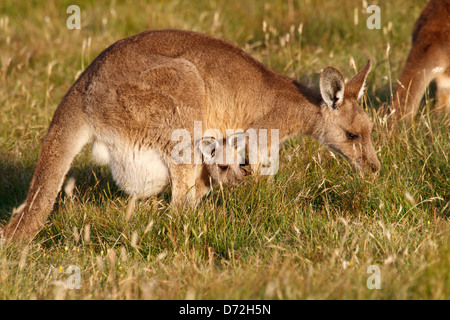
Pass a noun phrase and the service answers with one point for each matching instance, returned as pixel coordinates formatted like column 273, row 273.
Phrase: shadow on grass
column 16, row 175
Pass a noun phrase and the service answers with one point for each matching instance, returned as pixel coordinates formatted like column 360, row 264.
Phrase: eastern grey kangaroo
column 138, row 91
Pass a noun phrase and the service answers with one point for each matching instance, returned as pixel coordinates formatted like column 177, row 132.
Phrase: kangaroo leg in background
column 443, row 93
column 414, row 80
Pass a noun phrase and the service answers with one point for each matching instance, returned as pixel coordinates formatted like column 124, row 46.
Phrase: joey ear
column 208, row 147
column 332, row 87
column 356, row 86
column 237, row 141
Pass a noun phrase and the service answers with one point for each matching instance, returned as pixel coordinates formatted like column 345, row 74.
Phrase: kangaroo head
column 346, row 128
column 223, row 160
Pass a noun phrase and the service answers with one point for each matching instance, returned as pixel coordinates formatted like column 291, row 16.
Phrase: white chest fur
column 138, row 172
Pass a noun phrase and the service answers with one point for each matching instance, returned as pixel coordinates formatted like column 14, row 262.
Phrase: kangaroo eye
column 351, row 136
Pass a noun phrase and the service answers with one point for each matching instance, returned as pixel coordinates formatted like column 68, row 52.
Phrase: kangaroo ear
column 357, row 85
column 208, row 147
column 332, row 87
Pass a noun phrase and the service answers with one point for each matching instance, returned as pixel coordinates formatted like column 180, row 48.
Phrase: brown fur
column 428, row 59
column 140, row 89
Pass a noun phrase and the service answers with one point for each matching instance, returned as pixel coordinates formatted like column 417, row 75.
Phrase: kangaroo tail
column 66, row 136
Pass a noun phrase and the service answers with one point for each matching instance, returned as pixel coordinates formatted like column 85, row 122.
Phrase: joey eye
column 244, row 163
column 350, row 135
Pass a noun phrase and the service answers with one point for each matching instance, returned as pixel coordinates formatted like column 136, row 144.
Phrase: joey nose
column 245, row 169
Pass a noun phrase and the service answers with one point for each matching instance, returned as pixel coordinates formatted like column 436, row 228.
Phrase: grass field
column 312, row 234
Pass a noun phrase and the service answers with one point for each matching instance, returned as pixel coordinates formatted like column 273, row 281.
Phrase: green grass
column 311, row 234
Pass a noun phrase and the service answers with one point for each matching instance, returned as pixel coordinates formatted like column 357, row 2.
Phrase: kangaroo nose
column 375, row 166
